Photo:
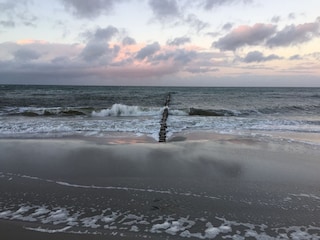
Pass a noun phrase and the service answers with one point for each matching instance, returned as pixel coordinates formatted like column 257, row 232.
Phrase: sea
column 102, row 111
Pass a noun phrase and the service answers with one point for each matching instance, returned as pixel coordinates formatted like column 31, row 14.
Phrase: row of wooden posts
column 163, row 123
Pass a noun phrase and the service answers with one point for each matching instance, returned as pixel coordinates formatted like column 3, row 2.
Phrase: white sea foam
column 108, row 219
column 182, row 227
column 91, row 222
column 22, row 209
column 211, row 232
column 160, row 226
column 134, row 229
column 304, row 195
column 57, row 126
column 39, row 229
column 5, row 214
column 20, row 214
column 40, row 211
column 124, row 110
column 146, row 121
column 138, row 190
column 36, row 110
column 174, row 112
column 57, row 216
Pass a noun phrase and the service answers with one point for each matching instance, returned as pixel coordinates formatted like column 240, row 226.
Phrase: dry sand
column 186, row 188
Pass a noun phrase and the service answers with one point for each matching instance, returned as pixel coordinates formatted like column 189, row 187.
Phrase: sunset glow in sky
column 160, row 42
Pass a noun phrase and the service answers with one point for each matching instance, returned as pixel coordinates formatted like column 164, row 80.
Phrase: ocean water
column 57, row 111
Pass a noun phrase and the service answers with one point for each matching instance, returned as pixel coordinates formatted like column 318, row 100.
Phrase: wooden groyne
column 163, row 123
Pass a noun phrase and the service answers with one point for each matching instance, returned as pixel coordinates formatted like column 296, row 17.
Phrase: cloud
column 25, row 54
column 140, row 73
column 27, row 19
column 105, row 33
column 16, row 12
column 292, row 16
column 196, row 70
column 256, row 56
column 227, row 26
column 128, row 41
column 165, row 56
column 210, row 4
column 213, row 34
column 177, row 13
column 178, row 41
column 315, row 55
column 44, row 63
column 36, row 53
column 267, row 35
column 31, row 41
column 94, row 50
column 98, row 44
column 90, row 9
column 148, row 51
column 182, row 56
column 164, row 9
column 8, row 24
column 179, row 58
column 40, row 62
column 99, row 52
column 60, row 60
column 96, row 61
column 295, row 34
column 101, row 34
column 206, row 62
column 245, row 35
column 275, row 19
column 295, row 57
column 6, row 6
column 196, row 23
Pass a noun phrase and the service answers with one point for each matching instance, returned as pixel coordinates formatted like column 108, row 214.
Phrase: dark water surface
column 53, row 111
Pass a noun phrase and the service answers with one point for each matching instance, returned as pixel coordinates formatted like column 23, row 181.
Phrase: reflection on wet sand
column 181, row 189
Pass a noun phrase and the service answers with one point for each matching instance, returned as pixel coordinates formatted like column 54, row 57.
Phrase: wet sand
column 227, row 187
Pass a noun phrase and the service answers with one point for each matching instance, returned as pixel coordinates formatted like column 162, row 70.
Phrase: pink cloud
column 31, row 41
column 245, row 35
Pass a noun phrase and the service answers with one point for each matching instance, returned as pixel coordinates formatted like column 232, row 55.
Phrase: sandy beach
column 191, row 187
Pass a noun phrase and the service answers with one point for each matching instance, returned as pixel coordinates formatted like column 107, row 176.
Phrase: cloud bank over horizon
column 159, row 42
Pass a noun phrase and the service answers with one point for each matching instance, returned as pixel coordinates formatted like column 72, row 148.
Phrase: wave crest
column 118, row 110
column 38, row 112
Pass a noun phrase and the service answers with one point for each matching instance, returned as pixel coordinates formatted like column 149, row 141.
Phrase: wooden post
column 163, row 123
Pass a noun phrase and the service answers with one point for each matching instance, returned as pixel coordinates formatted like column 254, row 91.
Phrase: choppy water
column 54, row 111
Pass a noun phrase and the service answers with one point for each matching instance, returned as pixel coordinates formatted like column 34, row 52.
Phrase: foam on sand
column 184, row 227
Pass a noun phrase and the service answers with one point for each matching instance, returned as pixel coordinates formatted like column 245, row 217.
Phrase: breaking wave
column 118, row 110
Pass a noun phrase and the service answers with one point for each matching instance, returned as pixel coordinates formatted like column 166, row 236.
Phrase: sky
column 160, row 42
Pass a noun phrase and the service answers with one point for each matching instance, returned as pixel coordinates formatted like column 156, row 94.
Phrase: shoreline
column 120, row 138
column 203, row 135
column 214, row 187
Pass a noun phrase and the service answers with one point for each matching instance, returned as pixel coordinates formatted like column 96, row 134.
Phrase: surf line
column 163, row 123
